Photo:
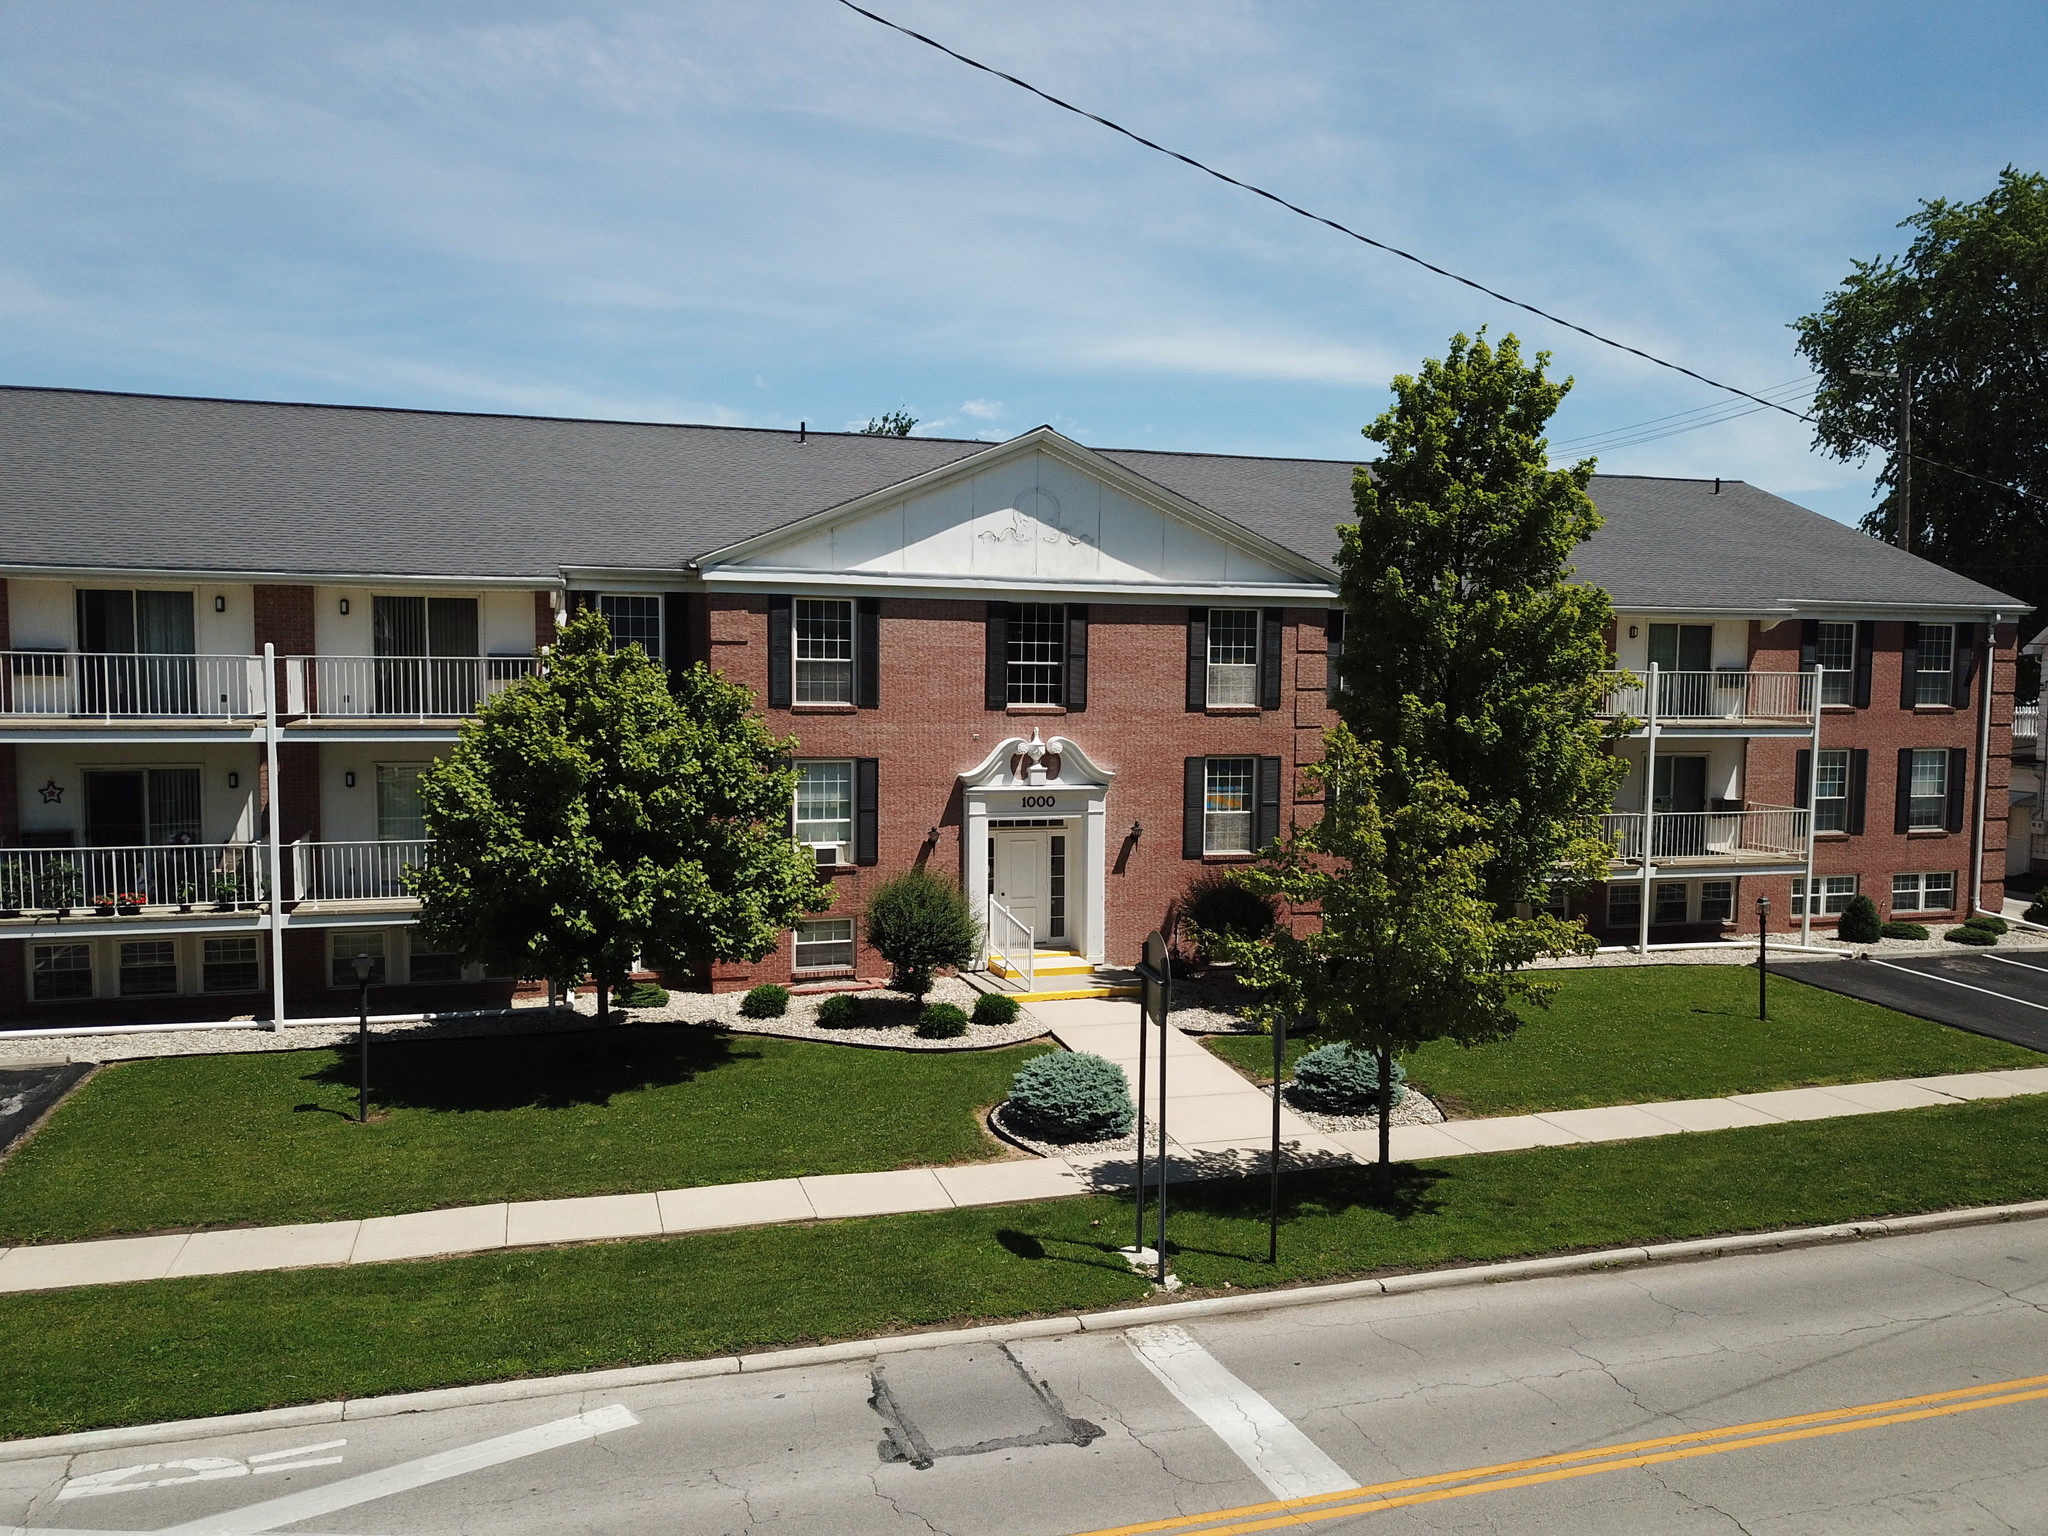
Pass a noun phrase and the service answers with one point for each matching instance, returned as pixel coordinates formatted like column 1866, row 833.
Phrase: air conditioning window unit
column 829, row 855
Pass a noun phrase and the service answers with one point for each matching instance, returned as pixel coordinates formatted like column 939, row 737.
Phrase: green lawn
column 1637, row 1034
column 268, row 1138
column 172, row 1348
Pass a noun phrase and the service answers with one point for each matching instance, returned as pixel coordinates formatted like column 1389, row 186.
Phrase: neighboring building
column 1075, row 677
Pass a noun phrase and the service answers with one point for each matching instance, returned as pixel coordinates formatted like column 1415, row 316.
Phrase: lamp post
column 362, row 969
column 1763, row 922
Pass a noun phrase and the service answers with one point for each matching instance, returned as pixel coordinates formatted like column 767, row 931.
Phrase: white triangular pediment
column 1039, row 510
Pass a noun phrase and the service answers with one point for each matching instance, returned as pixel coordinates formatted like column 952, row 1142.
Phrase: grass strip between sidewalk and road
column 171, row 1349
column 1640, row 1034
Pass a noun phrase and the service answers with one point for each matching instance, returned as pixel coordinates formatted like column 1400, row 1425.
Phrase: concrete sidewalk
column 1219, row 1125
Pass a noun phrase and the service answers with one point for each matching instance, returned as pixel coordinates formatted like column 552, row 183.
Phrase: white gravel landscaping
column 899, row 1032
column 1413, row 1109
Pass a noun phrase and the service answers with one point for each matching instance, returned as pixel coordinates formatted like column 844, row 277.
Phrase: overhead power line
column 1677, row 423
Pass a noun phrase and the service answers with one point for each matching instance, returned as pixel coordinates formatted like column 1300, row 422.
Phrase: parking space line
column 1951, row 981
column 1290, row 1464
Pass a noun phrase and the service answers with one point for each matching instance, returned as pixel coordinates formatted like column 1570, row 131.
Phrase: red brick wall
column 543, row 619
column 284, row 618
column 932, row 726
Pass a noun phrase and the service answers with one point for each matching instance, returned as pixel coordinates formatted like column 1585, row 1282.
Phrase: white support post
column 1983, row 765
column 271, row 839
column 1812, row 802
column 1649, row 830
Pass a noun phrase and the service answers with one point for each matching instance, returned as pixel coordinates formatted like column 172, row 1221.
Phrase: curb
column 1031, row 1328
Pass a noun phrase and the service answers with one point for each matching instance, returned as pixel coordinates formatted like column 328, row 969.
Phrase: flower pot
column 127, row 908
column 10, row 912
column 103, row 909
column 184, row 906
column 223, row 906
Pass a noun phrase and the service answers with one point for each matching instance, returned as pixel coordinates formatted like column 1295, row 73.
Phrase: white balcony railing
column 354, row 871
column 196, row 875
column 2026, row 725
column 398, row 687
column 122, row 685
column 1765, row 834
column 1776, row 697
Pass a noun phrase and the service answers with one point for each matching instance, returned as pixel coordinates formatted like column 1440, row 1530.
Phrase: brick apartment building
column 1074, row 678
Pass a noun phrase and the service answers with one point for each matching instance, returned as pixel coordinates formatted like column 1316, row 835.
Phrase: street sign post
column 1156, row 972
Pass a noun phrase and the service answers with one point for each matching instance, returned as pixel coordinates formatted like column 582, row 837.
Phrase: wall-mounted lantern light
column 1631, row 630
column 220, row 603
column 349, row 778
column 344, row 609
column 1137, row 830
column 234, row 779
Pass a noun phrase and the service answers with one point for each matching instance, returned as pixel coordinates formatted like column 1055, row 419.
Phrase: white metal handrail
column 398, row 687
column 1777, row 832
column 2026, row 723
column 355, row 871
column 111, row 685
column 1729, row 694
column 153, row 875
column 1004, row 930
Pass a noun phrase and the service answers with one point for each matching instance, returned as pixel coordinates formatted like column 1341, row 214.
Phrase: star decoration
column 52, row 793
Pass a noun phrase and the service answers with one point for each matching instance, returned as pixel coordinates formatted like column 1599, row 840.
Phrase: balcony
column 187, row 877
column 354, row 872
column 2026, row 729
column 415, row 688
column 1722, row 698
column 1764, row 835
column 107, row 686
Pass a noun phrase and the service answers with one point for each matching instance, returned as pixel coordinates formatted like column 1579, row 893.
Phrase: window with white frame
column 1835, row 650
column 1670, row 902
column 230, row 965
column 1935, row 682
column 1927, row 795
column 1233, row 656
column 149, row 968
column 824, row 650
column 1929, row 891
column 1624, row 904
column 344, row 944
column 1037, row 654
column 1717, row 901
column 824, row 803
column 1831, row 790
column 1227, row 797
column 426, row 965
column 60, row 973
column 824, row 943
column 634, row 621
column 1832, row 895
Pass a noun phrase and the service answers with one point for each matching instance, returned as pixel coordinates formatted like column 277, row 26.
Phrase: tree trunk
column 1385, row 1173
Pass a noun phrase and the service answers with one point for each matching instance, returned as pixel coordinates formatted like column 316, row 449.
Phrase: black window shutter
column 1802, row 779
column 1859, row 788
column 1077, row 657
column 1958, row 780
column 780, row 625
column 867, row 652
column 1866, row 642
column 1965, row 665
column 1193, row 791
column 1270, row 631
column 1909, row 664
column 789, row 818
column 678, row 631
column 1902, row 816
column 995, row 673
column 866, row 819
column 1266, row 821
column 1198, row 660
column 1333, row 646
column 578, row 601
column 1809, row 644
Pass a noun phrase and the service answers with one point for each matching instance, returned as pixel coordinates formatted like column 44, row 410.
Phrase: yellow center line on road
column 1314, row 1508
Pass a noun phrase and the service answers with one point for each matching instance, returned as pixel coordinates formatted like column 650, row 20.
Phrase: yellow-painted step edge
column 1074, row 994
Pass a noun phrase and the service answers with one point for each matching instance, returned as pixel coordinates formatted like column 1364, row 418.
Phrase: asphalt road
column 1091, row 1432
column 2001, row 995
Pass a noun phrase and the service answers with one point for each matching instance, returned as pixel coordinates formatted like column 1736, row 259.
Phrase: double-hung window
column 230, row 965
column 1926, row 892
column 1037, row 654
column 149, row 968
column 1835, row 650
column 1717, row 901
column 60, row 972
column 344, row 944
column 824, row 804
column 824, row 943
column 1831, row 895
column 824, row 650
column 1234, row 656
column 1624, row 904
column 1831, row 790
column 1934, row 680
column 634, row 621
column 1671, row 900
column 1227, row 798
column 1927, row 805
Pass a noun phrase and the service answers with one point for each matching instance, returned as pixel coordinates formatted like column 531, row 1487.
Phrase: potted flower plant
column 103, row 904
column 128, row 903
column 227, row 886
column 61, row 884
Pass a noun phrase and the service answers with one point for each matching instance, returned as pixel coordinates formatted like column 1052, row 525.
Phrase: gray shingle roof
column 148, row 482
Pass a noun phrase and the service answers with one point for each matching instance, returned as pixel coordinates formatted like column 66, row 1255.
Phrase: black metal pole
column 1165, row 1010
column 1763, row 921
column 363, row 1050
column 1273, row 1215
column 1144, row 1049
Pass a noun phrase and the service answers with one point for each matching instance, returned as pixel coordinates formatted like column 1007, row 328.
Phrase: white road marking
column 304, row 1450
column 1987, row 991
column 200, row 1469
column 1284, row 1459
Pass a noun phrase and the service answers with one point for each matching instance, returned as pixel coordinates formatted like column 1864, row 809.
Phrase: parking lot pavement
column 2003, row 996
column 26, row 1094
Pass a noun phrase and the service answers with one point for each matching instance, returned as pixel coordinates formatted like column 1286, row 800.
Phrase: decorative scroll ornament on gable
column 1035, row 519
column 1015, row 763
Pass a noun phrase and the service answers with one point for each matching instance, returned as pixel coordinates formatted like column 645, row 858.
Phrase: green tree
column 1468, row 651
column 918, row 921
column 896, row 423
column 1966, row 311
column 604, row 813
column 1409, row 948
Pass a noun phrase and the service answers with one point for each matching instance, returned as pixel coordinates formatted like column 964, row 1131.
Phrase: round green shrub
column 840, row 1011
column 941, row 1021
column 1860, row 923
column 1988, row 923
column 1342, row 1079
column 767, row 1001
column 995, row 1008
column 1216, row 908
column 1976, row 938
column 643, row 994
column 1071, row 1096
column 919, row 922
column 1903, row 931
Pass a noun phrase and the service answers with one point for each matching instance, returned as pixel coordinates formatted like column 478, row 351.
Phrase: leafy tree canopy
column 1966, row 310
column 1469, row 654
column 605, row 812
column 896, row 423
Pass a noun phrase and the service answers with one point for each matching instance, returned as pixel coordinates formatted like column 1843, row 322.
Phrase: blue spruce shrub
column 1071, row 1096
column 1341, row 1079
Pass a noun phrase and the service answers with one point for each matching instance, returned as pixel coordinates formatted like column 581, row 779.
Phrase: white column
column 974, row 863
column 1983, row 764
column 1649, row 808
column 1812, row 800
column 270, row 819
column 1095, row 860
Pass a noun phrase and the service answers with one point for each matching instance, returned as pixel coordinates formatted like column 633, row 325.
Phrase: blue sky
column 762, row 212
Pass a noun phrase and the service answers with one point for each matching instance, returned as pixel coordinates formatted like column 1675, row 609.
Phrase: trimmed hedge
column 941, row 1021
column 1988, row 923
column 1897, row 930
column 1342, row 1079
column 767, row 1001
column 1072, row 1096
column 996, row 1008
column 1977, row 938
column 1859, row 924
column 643, row 994
column 840, row 1011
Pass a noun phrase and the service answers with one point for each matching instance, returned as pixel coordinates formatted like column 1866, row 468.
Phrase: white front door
column 1017, row 860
